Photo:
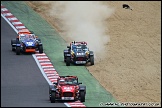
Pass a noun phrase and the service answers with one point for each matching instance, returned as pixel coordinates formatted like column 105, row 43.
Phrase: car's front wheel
column 53, row 96
column 13, row 42
column 67, row 61
column 40, row 49
column 82, row 96
column 17, row 50
column 92, row 60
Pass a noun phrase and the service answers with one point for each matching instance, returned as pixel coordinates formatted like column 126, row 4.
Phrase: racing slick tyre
column 67, row 61
column 53, row 95
column 40, row 49
column 13, row 42
column 82, row 96
column 92, row 60
column 17, row 50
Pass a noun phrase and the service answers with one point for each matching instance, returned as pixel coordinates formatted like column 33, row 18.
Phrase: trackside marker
column 4, row 9
column 20, row 27
column 49, row 69
column 14, row 18
column 40, row 54
column 42, row 57
column 7, row 14
column 53, row 75
column 16, row 23
column 45, row 63
column 53, row 80
column 47, row 66
column 45, row 60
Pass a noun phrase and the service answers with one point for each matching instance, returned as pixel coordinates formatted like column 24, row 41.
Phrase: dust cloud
column 84, row 21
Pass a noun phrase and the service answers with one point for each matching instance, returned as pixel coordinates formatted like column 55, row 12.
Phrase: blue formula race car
column 26, row 42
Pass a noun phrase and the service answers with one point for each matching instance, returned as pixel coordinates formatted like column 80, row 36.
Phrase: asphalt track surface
column 22, row 83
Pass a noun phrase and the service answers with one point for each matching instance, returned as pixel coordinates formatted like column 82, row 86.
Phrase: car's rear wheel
column 53, row 96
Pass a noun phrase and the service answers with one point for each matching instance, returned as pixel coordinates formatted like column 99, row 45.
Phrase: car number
column 29, row 43
column 80, row 61
column 67, row 98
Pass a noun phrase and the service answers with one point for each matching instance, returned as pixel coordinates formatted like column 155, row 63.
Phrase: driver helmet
column 62, row 81
column 73, row 42
column 30, row 36
column 21, row 36
column 26, row 35
column 75, row 81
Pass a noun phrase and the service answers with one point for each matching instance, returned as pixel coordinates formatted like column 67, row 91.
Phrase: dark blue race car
column 78, row 53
